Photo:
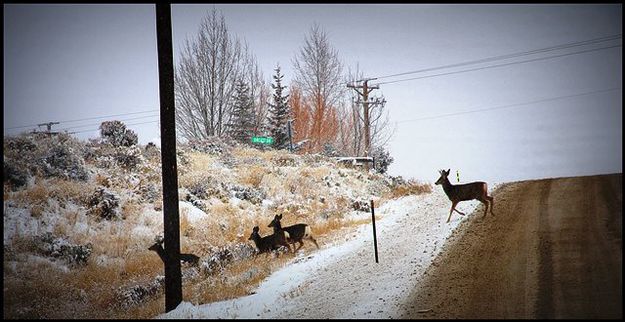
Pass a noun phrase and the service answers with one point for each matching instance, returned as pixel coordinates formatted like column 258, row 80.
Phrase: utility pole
column 366, row 90
column 171, row 218
column 49, row 127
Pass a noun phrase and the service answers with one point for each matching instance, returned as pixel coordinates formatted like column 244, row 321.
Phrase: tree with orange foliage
column 319, row 82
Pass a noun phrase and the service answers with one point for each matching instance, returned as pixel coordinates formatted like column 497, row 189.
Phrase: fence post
column 375, row 240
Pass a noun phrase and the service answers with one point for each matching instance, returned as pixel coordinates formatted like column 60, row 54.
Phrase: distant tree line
column 220, row 91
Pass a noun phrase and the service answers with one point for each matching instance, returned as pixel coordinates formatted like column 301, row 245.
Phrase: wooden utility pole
column 366, row 90
column 171, row 220
column 48, row 127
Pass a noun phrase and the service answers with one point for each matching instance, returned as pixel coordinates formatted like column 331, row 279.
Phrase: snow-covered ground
column 342, row 279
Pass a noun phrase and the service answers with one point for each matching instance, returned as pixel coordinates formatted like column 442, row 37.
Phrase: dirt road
column 552, row 250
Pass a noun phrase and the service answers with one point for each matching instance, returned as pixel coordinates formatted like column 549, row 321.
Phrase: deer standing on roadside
column 268, row 243
column 189, row 258
column 295, row 232
column 468, row 191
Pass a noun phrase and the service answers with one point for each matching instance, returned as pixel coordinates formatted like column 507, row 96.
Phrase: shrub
column 15, row 174
column 116, row 133
column 128, row 158
column 61, row 248
column 382, row 159
column 104, row 204
column 410, row 187
column 213, row 145
column 245, row 193
column 62, row 161
column 361, row 205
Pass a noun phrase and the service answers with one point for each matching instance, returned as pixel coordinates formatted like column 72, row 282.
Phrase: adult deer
column 294, row 233
column 268, row 243
column 468, row 191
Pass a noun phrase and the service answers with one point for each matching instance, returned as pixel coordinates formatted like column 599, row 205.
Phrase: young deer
column 461, row 192
column 268, row 243
column 189, row 258
column 295, row 233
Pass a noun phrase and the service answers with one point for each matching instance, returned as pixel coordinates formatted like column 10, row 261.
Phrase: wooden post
column 171, row 219
column 375, row 240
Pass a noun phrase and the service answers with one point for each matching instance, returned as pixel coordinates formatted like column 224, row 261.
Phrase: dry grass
column 37, row 194
column 41, row 291
column 410, row 188
column 131, row 209
column 252, row 175
column 36, row 211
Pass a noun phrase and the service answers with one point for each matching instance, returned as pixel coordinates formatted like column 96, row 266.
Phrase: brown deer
column 295, row 233
column 268, row 243
column 188, row 258
column 468, row 191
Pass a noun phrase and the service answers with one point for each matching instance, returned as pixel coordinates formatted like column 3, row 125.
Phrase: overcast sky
column 545, row 118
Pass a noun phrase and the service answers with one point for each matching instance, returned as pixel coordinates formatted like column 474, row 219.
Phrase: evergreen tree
column 279, row 113
column 241, row 127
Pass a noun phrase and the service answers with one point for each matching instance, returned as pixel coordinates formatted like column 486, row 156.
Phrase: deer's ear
column 279, row 216
column 448, row 171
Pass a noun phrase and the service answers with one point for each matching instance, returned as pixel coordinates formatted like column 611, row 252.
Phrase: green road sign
column 262, row 139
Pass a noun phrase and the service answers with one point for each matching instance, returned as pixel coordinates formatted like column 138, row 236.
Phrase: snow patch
column 410, row 235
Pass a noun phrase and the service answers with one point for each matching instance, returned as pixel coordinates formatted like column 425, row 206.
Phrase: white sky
column 68, row 62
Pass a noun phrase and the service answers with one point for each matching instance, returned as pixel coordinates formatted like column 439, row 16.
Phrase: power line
column 94, row 124
column 131, row 124
column 88, row 118
column 510, row 105
column 507, row 56
column 501, row 65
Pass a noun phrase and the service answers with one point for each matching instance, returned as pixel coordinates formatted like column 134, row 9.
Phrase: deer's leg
column 453, row 207
column 456, row 210
column 301, row 244
column 485, row 202
column 314, row 241
column 492, row 204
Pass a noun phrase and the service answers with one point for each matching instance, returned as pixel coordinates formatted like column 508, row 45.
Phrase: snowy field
column 342, row 279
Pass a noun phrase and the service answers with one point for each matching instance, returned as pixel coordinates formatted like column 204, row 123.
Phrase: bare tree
column 205, row 79
column 319, row 75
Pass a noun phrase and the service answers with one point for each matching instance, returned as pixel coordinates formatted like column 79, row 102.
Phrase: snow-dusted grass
column 310, row 189
column 342, row 280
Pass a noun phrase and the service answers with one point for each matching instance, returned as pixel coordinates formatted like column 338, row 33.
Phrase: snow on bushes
column 214, row 145
column 382, row 159
column 16, row 175
column 104, row 204
column 59, row 247
column 129, row 158
column 361, row 205
column 56, row 156
column 62, row 161
column 136, row 294
column 255, row 196
column 220, row 257
column 116, row 133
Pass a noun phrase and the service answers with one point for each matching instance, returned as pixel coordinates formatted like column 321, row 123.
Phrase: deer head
column 276, row 222
column 254, row 232
column 443, row 176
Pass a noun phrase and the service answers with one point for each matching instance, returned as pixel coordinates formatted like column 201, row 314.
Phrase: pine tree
column 279, row 113
column 241, row 126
